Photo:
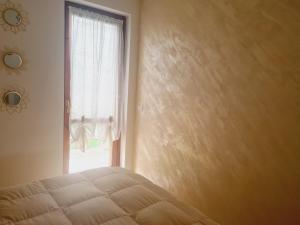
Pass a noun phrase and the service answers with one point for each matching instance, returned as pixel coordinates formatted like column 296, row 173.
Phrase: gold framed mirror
column 13, row 17
column 12, row 61
column 13, row 99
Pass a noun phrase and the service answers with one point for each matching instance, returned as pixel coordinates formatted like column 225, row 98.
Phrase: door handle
column 68, row 106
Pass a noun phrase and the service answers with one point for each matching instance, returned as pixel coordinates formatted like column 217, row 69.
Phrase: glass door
column 94, row 77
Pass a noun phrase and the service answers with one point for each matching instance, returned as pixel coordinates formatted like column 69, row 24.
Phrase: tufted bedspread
column 105, row 196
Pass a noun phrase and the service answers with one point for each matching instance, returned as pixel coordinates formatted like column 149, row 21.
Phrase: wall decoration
column 13, row 99
column 12, row 17
column 12, row 61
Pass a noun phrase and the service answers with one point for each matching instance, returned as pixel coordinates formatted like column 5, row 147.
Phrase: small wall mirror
column 12, row 60
column 12, row 17
column 12, row 98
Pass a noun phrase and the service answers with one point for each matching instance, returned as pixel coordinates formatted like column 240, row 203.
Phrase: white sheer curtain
column 97, row 55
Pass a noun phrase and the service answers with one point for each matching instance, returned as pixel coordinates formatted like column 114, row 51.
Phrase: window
column 95, row 78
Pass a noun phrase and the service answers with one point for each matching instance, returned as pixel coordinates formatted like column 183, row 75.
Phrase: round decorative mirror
column 12, row 17
column 12, row 60
column 12, row 98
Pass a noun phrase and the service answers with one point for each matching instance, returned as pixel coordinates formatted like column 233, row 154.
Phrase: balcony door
column 94, row 78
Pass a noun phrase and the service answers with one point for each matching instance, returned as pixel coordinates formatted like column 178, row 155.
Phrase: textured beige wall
column 31, row 143
column 218, row 116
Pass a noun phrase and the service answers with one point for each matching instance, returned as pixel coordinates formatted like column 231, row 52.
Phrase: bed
column 104, row 196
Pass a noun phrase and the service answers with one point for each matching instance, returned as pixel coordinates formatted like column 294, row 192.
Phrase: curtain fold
column 97, row 75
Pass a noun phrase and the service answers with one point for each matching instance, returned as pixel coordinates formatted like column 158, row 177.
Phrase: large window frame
column 116, row 148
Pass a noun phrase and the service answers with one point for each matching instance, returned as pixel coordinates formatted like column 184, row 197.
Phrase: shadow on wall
column 219, row 106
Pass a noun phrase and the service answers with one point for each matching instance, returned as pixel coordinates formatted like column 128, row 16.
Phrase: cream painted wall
column 218, row 120
column 31, row 143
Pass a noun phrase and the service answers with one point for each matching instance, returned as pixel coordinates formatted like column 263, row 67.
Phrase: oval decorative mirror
column 12, row 98
column 13, row 17
column 12, row 60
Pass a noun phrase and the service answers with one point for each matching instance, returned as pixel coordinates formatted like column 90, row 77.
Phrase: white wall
column 31, row 143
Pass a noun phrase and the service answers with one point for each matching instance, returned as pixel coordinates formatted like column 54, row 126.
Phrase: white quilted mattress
column 105, row 196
